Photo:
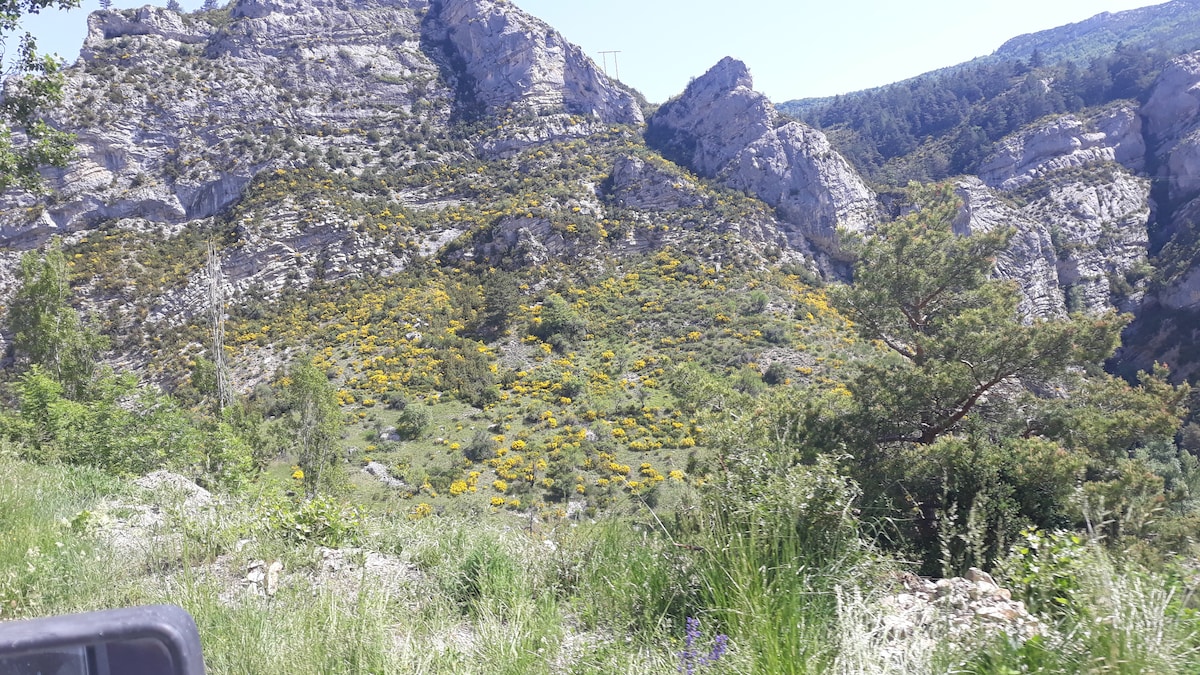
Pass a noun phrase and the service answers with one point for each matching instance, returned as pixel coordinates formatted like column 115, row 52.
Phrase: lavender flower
column 690, row 659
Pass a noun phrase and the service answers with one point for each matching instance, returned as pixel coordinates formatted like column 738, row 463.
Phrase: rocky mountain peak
column 717, row 116
column 512, row 59
column 727, row 75
column 721, row 128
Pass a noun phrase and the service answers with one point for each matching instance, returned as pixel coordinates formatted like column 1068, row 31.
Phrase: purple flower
column 720, row 646
column 689, row 658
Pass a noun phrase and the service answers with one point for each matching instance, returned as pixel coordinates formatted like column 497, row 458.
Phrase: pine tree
column 953, row 334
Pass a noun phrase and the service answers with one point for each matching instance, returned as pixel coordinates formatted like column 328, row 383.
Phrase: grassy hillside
column 488, row 417
column 451, row 595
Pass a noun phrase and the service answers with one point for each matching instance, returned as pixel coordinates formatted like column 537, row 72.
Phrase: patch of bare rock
column 961, row 604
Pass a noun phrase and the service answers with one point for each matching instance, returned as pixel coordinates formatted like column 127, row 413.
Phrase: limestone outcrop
column 1099, row 225
column 514, row 60
column 328, row 140
column 1174, row 104
column 1114, row 135
column 1030, row 259
column 721, row 128
column 1172, row 116
column 1081, row 238
column 640, row 184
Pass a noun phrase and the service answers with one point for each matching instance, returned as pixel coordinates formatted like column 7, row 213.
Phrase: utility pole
column 616, row 67
column 216, row 315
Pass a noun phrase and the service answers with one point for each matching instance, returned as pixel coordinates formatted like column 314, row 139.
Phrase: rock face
column 179, row 116
column 1080, row 243
column 1173, row 123
column 146, row 20
column 326, row 140
column 197, row 111
column 512, row 59
column 721, row 128
column 1030, row 259
column 639, row 184
column 1115, row 135
column 1174, row 103
column 1172, row 116
column 1099, row 224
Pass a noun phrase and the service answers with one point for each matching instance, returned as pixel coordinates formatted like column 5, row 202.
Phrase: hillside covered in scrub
column 397, row 336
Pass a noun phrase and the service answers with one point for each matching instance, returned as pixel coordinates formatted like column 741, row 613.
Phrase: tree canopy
column 316, row 422
column 971, row 420
column 954, row 334
column 47, row 330
column 33, row 83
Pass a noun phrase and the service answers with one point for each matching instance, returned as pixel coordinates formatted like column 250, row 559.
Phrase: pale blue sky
column 795, row 48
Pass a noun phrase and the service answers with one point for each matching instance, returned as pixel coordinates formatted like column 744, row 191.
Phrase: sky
column 794, row 48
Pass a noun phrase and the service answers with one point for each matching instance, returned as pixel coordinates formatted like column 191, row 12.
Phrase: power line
column 616, row 67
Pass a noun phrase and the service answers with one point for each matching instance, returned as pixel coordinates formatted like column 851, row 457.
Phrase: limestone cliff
column 1112, row 135
column 721, row 128
column 178, row 116
column 1070, row 187
column 321, row 140
column 1030, row 259
column 512, row 59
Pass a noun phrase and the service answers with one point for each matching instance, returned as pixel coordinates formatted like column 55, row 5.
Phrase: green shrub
column 322, row 520
column 411, row 423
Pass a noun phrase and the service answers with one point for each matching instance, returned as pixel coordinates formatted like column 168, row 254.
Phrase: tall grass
column 772, row 556
column 301, row 630
column 780, row 567
column 1110, row 619
column 47, row 562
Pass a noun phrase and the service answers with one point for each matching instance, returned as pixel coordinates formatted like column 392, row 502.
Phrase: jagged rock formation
column 178, row 115
column 1081, row 240
column 721, row 128
column 1172, row 115
column 1114, row 135
column 1165, row 329
column 639, row 184
column 1030, row 258
column 175, row 116
column 1171, row 120
column 327, row 141
column 512, row 59
column 1101, row 236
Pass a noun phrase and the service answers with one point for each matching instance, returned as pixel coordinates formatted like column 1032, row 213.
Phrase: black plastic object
column 151, row 640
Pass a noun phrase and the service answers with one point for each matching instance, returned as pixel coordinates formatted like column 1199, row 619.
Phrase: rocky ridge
column 206, row 121
column 512, row 58
column 1069, row 186
column 1113, row 135
column 178, row 115
column 721, row 128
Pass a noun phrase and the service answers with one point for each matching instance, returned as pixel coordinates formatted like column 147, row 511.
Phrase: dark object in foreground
column 152, row 640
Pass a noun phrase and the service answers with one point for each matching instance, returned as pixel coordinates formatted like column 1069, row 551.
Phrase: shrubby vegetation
column 730, row 445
